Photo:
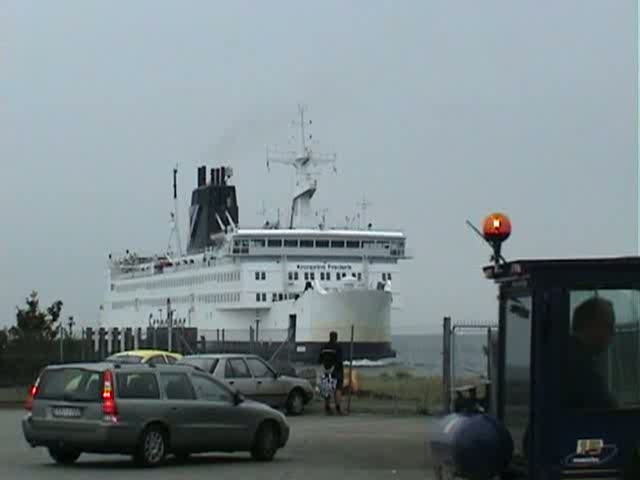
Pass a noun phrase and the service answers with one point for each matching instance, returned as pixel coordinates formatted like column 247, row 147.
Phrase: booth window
column 517, row 380
column 603, row 351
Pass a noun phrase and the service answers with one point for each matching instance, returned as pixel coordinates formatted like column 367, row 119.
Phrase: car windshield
column 125, row 358
column 71, row 384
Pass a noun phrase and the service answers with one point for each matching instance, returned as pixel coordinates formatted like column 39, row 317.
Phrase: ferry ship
column 306, row 279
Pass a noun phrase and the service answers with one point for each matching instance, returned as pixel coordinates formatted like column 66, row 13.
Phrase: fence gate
column 449, row 373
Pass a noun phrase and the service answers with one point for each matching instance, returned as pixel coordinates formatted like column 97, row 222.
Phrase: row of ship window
column 243, row 244
column 234, row 297
column 179, row 282
column 226, row 297
column 325, row 276
column 322, row 276
column 230, row 277
column 275, row 297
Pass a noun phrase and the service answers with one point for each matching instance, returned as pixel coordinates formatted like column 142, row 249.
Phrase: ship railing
column 129, row 271
column 350, row 228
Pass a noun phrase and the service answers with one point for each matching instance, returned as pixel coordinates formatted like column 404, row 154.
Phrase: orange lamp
column 496, row 228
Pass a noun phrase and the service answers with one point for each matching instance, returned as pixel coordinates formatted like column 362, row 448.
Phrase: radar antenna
column 302, row 161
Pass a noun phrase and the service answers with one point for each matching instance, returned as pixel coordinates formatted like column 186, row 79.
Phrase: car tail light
column 33, row 391
column 108, row 397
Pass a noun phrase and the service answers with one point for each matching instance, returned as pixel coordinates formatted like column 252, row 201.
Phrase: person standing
column 593, row 328
column 331, row 359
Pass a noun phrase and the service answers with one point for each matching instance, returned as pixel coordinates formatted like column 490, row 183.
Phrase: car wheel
column 295, row 403
column 266, row 443
column 64, row 456
column 152, row 447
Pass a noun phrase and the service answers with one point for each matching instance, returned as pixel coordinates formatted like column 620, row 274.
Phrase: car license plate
column 67, row 412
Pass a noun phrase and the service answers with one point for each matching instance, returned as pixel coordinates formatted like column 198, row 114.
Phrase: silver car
column 256, row 379
column 147, row 411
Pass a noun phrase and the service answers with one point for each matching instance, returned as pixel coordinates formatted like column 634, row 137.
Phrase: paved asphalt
column 356, row 447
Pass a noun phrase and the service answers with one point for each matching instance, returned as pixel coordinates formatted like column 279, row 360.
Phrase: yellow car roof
column 149, row 353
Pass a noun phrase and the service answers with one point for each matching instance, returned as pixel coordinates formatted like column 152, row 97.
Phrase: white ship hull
column 311, row 317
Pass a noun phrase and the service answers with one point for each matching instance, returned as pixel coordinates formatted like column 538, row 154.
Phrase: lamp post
column 71, row 323
column 61, row 335
column 190, row 313
column 169, row 324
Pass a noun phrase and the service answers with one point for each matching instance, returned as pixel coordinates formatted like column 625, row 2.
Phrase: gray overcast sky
column 438, row 111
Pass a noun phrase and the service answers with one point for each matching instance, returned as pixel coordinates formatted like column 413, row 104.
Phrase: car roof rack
column 119, row 365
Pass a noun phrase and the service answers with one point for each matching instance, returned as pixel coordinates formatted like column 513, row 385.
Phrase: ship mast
column 306, row 183
column 364, row 204
column 175, row 229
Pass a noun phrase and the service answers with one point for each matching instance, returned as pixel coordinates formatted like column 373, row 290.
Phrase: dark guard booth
column 569, row 369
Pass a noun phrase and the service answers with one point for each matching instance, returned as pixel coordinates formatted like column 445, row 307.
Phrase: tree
column 35, row 325
column 4, row 342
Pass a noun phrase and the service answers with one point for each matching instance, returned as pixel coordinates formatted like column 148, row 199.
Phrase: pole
column 257, row 329
column 154, row 337
column 169, row 325
column 446, row 364
column 350, row 369
column 71, row 323
column 61, row 333
column 489, row 363
column 82, row 345
column 175, row 211
column 452, row 359
column 491, row 387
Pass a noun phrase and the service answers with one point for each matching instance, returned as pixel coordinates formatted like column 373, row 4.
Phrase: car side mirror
column 238, row 398
column 277, row 374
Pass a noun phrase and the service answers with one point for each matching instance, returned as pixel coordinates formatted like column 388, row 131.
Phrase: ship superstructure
column 304, row 278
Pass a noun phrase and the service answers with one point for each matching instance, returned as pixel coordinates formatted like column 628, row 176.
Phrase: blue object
column 472, row 446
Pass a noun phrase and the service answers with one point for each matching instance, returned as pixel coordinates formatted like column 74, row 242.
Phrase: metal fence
column 371, row 385
column 22, row 359
column 469, row 361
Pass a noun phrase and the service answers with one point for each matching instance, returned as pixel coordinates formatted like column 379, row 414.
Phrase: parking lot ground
column 359, row 446
column 373, row 406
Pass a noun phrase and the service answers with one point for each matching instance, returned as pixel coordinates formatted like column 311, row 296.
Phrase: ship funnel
column 202, row 176
column 215, row 176
column 214, row 208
